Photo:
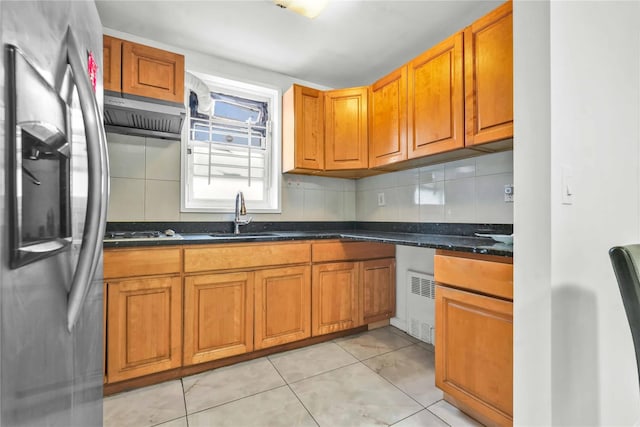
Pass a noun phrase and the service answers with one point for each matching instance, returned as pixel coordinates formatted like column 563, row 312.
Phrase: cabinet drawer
column 486, row 274
column 254, row 255
column 340, row 251
column 137, row 262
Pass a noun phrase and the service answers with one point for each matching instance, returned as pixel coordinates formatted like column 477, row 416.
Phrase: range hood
column 142, row 116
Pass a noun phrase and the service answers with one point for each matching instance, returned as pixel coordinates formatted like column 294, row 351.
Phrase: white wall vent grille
column 421, row 306
column 422, row 284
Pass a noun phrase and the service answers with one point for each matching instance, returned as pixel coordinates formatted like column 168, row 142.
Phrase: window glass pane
column 230, row 150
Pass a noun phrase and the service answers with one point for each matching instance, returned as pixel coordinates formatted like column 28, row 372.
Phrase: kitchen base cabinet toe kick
column 180, row 310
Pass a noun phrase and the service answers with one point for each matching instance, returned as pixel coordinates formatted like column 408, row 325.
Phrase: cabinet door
column 151, row 72
column 388, row 119
column 488, row 64
column 346, row 132
column 218, row 316
column 334, row 297
column 436, row 99
column 474, row 352
column 378, row 281
column 302, row 129
column 112, row 63
column 283, row 305
column 144, row 327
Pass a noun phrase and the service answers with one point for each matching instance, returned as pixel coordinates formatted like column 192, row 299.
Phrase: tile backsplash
column 145, row 186
column 469, row 190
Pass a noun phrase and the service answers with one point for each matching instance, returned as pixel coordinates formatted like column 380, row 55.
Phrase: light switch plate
column 381, row 201
column 567, row 186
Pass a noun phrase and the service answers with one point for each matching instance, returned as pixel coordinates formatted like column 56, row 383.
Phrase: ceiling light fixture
column 308, row 8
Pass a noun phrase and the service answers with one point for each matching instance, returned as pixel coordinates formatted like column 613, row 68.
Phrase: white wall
column 195, row 61
column 415, row 259
column 532, row 215
column 578, row 105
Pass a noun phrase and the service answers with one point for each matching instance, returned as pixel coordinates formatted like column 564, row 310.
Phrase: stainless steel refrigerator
column 53, row 201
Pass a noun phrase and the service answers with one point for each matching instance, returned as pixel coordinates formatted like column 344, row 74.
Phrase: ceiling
column 352, row 43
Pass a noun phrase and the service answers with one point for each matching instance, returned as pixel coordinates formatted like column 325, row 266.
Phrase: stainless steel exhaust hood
column 143, row 116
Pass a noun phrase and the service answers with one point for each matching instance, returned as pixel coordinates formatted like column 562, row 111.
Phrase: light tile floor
column 377, row 378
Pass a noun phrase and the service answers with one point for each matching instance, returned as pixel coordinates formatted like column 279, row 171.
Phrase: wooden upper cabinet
column 436, row 99
column 488, row 63
column 112, row 63
column 218, row 316
column 151, row 72
column 283, row 305
column 388, row 119
column 346, row 130
column 302, row 129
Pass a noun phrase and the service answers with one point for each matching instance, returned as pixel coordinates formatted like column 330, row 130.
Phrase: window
column 230, row 148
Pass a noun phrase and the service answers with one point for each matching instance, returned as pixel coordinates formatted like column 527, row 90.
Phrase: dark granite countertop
column 399, row 234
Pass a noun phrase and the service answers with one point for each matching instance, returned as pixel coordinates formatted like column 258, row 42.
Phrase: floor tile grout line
column 167, row 421
column 389, row 381
column 436, row 415
column 303, row 405
column 235, row 400
column 184, row 399
column 402, row 334
column 295, row 394
column 323, row 372
column 379, row 354
column 408, row 416
column 387, row 352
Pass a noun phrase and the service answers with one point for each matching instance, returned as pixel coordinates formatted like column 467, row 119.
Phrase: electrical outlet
column 508, row 193
column 293, row 182
column 381, row 201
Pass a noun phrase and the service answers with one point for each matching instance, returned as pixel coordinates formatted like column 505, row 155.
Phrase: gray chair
column 626, row 265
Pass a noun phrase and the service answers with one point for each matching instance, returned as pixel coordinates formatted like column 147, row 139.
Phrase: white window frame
column 237, row 88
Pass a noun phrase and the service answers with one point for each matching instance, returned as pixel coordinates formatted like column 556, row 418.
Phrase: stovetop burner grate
column 132, row 234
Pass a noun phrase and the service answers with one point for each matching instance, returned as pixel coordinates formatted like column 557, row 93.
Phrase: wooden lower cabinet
column 174, row 307
column 218, row 316
column 474, row 334
column 349, row 294
column 144, row 330
column 283, row 305
column 334, row 297
column 378, row 281
column 474, row 352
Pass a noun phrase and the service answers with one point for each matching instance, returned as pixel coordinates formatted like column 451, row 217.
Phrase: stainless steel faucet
column 241, row 210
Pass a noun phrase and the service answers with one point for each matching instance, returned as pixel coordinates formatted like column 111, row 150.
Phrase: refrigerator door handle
column 98, row 185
